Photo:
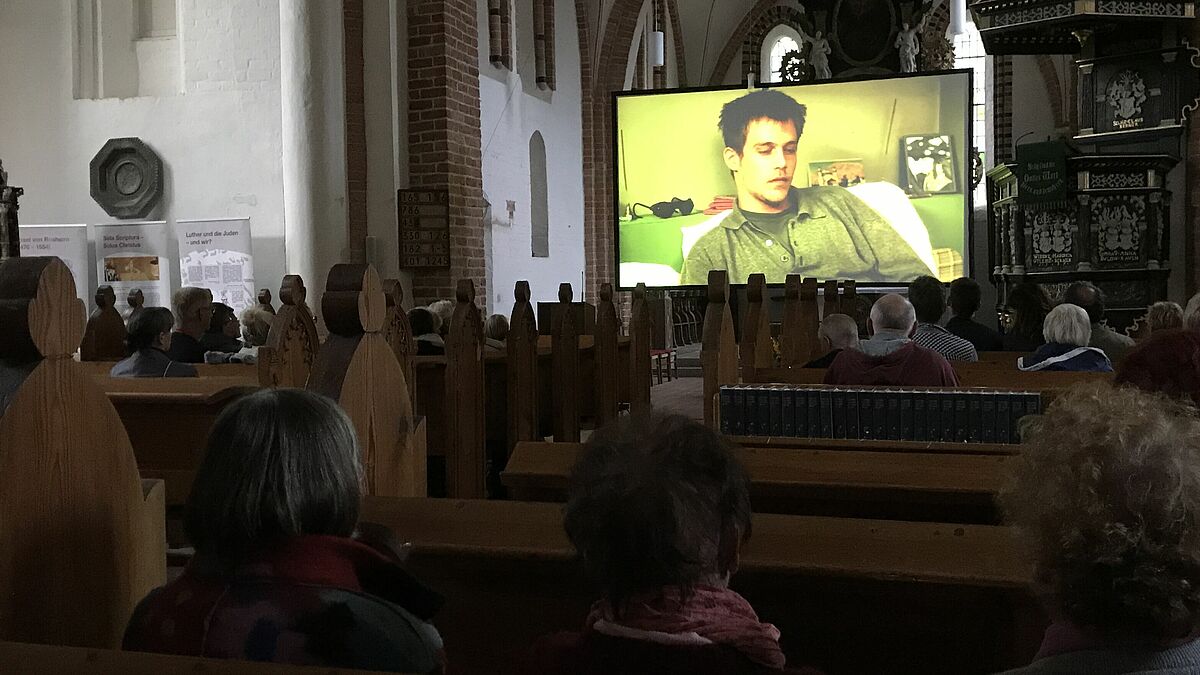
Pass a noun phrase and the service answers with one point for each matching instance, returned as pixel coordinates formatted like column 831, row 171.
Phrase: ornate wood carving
column 357, row 368
column 466, row 458
column 83, row 536
column 398, row 332
column 104, row 338
column 291, row 349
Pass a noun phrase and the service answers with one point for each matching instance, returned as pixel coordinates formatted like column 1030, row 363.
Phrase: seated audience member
column 658, row 510
column 965, row 297
column 1106, row 499
column 444, row 311
column 276, row 576
column 495, row 331
column 256, row 326
column 890, row 357
column 147, row 340
column 837, row 332
column 928, row 298
column 1028, row 306
column 1164, row 316
column 1067, row 331
column 193, row 313
column 1091, row 299
column 1168, row 361
column 424, row 326
column 223, row 330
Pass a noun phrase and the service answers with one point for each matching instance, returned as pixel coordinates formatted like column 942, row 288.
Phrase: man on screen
column 777, row 229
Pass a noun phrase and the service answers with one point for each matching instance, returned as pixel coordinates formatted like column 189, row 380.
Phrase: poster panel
column 68, row 243
column 135, row 255
column 215, row 253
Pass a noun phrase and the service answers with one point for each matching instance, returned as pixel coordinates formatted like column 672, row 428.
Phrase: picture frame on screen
column 826, row 180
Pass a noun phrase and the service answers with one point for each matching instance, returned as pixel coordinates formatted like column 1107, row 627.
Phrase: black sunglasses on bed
column 667, row 209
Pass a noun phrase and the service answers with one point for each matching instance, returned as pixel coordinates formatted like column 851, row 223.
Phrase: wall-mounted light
column 658, row 47
column 958, row 18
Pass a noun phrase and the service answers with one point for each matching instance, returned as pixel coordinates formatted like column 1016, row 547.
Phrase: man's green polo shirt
column 834, row 235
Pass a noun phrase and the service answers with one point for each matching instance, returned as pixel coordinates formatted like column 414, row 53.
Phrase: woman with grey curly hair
column 1106, row 497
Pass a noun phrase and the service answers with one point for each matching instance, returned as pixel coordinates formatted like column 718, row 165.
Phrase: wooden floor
column 682, row 396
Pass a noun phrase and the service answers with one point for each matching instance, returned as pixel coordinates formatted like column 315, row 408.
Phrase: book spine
column 764, row 411
column 988, row 419
column 852, row 428
column 1004, row 418
column 814, row 413
column 906, row 415
column 962, row 417
column 919, row 430
column 788, row 405
column 839, row 413
column 775, row 397
column 975, row 418
column 947, row 406
column 726, row 397
column 1016, row 412
column 881, row 421
column 826, row 401
column 893, row 415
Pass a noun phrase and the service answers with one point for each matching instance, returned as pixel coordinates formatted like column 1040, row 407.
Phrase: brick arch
column 753, row 44
column 736, row 39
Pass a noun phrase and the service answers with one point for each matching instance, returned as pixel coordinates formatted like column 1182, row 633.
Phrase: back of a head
column 185, row 300
column 1164, row 315
column 146, row 326
column 221, row 314
column 1067, row 324
column 1191, row 313
column 893, row 312
column 840, row 330
column 496, row 327
column 422, row 321
column 1030, row 303
column 256, row 324
column 652, row 501
column 1107, row 497
column 280, row 463
column 1086, row 295
column 928, row 298
column 444, row 311
column 965, row 296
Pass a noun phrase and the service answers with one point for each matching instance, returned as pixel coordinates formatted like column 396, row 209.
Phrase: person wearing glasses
column 778, row 229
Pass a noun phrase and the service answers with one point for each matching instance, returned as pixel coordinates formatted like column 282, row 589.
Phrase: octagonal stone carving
column 127, row 178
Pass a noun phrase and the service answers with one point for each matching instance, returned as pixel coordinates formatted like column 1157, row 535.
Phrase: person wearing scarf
column 658, row 511
column 1105, row 500
column 1067, row 332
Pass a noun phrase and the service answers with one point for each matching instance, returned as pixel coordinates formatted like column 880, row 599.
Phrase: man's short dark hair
column 928, row 298
column 146, row 326
column 965, row 296
column 280, row 463
column 652, row 500
column 763, row 104
column 421, row 320
column 1089, row 297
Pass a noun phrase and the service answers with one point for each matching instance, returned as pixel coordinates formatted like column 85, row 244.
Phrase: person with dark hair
column 777, row 229
column 146, row 341
column 223, row 330
column 1028, row 304
column 424, row 324
column 928, row 298
column 658, row 510
column 1106, row 501
column 965, row 296
column 277, row 575
column 1091, row 299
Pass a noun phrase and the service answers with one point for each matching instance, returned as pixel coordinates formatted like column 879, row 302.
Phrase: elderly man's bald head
column 838, row 331
column 893, row 312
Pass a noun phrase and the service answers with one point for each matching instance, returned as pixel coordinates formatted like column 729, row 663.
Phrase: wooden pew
column 264, row 301
column 357, row 368
column 167, row 421
column 940, row 487
column 926, row 597
column 719, row 351
column 136, row 299
column 32, row 659
column 104, row 337
column 565, row 359
column 466, row 458
column 639, row 352
column 287, row 358
column 398, row 332
column 83, row 535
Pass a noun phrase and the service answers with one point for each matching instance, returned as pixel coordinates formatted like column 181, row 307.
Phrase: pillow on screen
column 884, row 198
column 651, row 274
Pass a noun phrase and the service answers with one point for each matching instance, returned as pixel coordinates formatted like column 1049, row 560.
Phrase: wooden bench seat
column 926, row 597
column 902, row 486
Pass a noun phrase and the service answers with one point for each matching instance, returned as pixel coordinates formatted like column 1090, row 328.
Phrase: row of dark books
column 876, row 413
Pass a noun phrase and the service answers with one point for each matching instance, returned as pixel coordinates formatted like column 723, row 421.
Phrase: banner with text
column 135, row 256
column 68, row 243
column 215, row 253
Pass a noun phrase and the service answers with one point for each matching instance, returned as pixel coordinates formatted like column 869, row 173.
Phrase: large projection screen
column 868, row 179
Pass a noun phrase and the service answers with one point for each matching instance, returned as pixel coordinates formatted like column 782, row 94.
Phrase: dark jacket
column 908, row 366
column 218, row 342
column 591, row 653
column 985, row 339
column 314, row 600
column 1055, row 356
column 185, row 348
column 1016, row 342
column 823, row 361
column 1168, row 362
column 151, row 362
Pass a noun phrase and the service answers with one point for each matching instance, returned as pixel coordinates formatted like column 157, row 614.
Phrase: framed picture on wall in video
column 929, row 167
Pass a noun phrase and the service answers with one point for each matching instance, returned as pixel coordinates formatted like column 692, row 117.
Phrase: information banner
column 135, row 255
column 68, row 243
column 215, row 253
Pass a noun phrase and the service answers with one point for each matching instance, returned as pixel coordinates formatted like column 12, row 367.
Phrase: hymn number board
column 424, row 222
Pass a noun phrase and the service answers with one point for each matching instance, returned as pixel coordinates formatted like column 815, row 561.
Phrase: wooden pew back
column 292, row 343
column 104, row 337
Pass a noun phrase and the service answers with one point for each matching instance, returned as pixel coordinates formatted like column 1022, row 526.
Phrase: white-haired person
column 1105, row 500
column 837, row 332
column 1067, row 330
column 890, row 357
column 1169, row 360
